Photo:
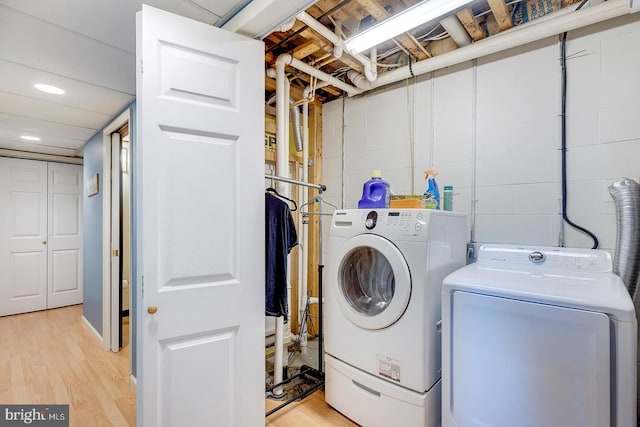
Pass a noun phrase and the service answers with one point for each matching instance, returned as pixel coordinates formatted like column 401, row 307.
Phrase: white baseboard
column 89, row 326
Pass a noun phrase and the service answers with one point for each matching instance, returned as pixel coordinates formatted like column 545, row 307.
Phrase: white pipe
column 371, row 72
column 286, row 191
column 359, row 80
column 282, row 169
column 554, row 24
column 456, row 30
column 279, row 357
column 305, row 236
column 318, row 27
column 287, row 59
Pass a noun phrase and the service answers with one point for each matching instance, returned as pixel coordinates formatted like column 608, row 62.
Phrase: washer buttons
column 418, row 226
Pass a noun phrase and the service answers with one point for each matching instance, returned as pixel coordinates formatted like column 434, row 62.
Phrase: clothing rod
column 315, row 213
column 320, row 187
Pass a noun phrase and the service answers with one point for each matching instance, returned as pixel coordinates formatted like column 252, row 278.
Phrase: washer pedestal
column 371, row 401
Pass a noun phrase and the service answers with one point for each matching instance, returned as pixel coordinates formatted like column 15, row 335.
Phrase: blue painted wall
column 92, row 235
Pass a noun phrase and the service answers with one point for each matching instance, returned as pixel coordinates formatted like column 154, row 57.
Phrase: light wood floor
column 50, row 357
column 310, row 412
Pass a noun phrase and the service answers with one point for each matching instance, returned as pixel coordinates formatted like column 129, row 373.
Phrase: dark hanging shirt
column 280, row 238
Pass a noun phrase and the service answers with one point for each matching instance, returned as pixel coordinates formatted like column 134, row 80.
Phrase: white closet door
column 23, row 236
column 201, row 124
column 65, row 235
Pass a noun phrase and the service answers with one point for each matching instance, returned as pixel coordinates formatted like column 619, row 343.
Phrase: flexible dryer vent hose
column 626, row 259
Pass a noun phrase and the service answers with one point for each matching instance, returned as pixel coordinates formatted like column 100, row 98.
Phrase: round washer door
column 372, row 283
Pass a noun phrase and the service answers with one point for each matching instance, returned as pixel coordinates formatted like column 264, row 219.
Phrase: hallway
column 50, row 357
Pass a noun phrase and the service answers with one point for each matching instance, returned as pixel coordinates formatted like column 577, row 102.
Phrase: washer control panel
column 405, row 220
column 401, row 223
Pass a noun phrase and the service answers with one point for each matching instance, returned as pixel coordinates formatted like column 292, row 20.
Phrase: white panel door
column 200, row 101
column 23, row 236
column 65, row 235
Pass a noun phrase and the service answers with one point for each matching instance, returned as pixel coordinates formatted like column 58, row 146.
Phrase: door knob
column 44, row 242
column 152, row 309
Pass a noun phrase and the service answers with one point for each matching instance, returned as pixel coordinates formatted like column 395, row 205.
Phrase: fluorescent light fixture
column 30, row 138
column 49, row 89
column 426, row 11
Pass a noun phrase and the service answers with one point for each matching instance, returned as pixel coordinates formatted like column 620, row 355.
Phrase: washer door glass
column 367, row 281
column 371, row 282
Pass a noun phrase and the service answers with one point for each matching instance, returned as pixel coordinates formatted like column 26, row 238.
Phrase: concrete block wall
column 492, row 129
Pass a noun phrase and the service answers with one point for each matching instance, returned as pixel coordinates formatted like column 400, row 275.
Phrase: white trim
column 115, row 278
column 133, row 382
column 89, row 326
column 37, row 156
column 107, row 309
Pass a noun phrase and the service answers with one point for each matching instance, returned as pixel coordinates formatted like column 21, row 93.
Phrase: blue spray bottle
column 432, row 193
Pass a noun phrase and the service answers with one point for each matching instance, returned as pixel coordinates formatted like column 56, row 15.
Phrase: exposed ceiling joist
column 501, row 12
column 471, row 24
column 305, row 49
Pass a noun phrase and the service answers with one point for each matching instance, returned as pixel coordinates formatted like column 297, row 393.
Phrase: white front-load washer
column 538, row 336
column 382, row 312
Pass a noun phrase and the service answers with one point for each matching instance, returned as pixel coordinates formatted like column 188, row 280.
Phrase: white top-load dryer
column 382, row 312
column 538, row 336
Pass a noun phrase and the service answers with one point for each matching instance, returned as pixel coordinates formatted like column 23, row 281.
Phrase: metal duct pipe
column 626, row 259
column 294, row 114
column 296, row 124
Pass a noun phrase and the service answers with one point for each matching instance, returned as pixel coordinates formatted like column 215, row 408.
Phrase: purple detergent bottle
column 376, row 192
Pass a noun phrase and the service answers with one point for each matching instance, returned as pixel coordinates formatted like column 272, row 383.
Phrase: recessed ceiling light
column 30, row 138
column 49, row 89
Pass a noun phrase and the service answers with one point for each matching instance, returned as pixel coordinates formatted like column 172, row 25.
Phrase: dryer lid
column 567, row 277
column 372, row 282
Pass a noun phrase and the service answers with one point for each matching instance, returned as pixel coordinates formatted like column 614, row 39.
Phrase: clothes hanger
column 273, row 190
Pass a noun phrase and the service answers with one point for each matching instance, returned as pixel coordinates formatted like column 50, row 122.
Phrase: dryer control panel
column 540, row 258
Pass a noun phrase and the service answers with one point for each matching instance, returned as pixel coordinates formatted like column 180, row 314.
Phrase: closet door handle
column 44, row 242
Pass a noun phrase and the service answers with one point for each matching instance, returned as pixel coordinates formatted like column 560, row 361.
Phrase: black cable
column 563, row 64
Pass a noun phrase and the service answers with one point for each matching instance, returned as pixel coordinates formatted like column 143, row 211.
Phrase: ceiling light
column 421, row 13
column 49, row 89
column 30, row 138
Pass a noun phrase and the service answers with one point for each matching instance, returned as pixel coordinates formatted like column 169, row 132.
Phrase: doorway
column 117, row 238
column 125, row 239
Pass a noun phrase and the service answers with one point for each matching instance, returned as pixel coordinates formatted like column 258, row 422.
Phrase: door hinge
column 116, row 252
